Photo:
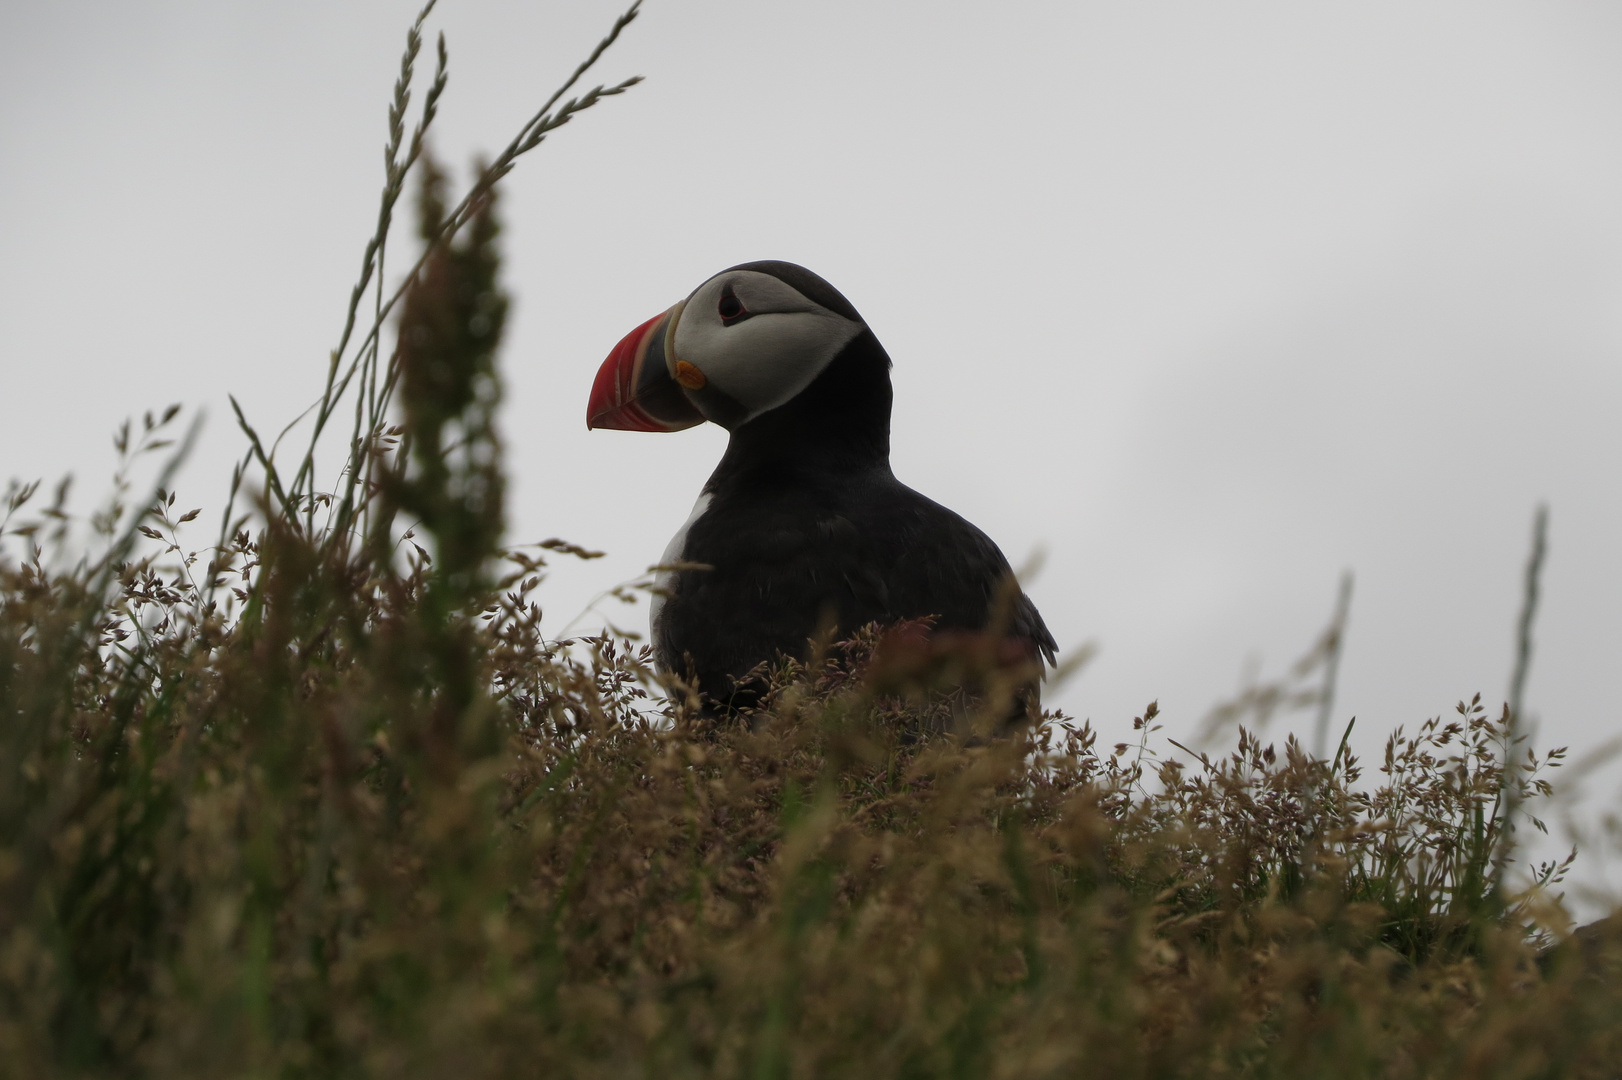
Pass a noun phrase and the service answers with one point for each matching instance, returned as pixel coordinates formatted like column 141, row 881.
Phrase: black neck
column 838, row 424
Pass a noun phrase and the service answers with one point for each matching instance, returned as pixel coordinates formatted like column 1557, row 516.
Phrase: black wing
column 942, row 565
column 786, row 568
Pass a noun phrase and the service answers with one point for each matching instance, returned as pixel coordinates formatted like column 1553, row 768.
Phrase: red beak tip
column 613, row 401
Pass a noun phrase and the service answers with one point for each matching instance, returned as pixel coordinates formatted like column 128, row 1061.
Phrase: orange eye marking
column 689, row 376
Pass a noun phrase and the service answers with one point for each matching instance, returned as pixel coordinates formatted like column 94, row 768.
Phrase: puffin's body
column 802, row 526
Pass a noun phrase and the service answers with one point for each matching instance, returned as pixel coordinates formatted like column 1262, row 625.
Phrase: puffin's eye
column 731, row 309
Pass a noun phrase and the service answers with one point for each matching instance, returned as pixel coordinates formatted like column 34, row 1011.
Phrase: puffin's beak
column 634, row 390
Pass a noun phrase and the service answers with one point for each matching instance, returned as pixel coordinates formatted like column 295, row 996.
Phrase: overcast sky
column 1206, row 302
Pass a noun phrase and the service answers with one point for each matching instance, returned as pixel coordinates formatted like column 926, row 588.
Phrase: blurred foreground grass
column 323, row 801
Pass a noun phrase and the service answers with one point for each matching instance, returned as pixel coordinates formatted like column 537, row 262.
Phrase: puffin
column 802, row 529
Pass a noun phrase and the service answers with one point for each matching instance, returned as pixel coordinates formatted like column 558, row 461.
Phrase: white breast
column 665, row 580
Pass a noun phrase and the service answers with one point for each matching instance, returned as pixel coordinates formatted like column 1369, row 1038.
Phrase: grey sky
column 1206, row 301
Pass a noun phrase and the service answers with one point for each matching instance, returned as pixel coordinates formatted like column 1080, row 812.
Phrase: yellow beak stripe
column 689, row 376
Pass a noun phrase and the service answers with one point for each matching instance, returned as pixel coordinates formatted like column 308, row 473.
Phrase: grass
column 320, row 799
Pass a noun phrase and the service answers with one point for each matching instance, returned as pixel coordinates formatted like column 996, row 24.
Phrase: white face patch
column 665, row 580
column 763, row 359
